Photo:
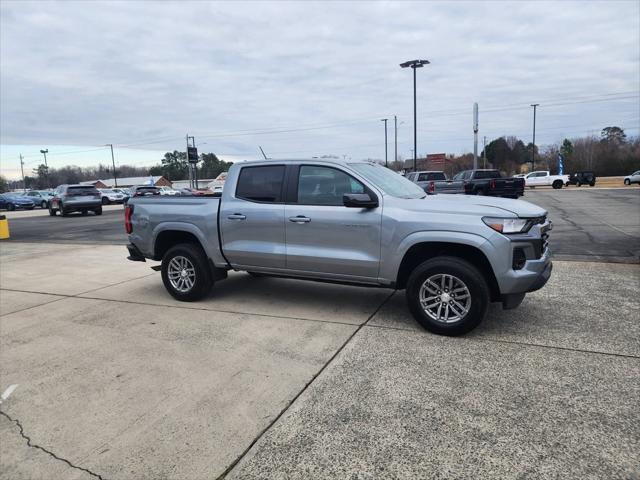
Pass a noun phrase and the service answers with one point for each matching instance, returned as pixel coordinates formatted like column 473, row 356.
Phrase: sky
column 305, row 79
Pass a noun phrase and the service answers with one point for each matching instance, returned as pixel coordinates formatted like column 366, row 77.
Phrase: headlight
column 508, row 225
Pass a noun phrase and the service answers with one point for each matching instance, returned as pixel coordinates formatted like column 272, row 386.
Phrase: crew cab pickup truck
column 488, row 182
column 435, row 181
column 353, row 223
column 545, row 179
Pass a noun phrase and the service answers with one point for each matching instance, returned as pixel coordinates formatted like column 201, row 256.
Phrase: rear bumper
column 71, row 205
column 135, row 255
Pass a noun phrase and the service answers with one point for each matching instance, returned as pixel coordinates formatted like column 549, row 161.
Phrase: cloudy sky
column 303, row 79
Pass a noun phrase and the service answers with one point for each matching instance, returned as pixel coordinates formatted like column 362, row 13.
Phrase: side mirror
column 359, row 200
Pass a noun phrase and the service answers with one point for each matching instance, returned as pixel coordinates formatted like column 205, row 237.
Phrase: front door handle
column 237, row 216
column 299, row 219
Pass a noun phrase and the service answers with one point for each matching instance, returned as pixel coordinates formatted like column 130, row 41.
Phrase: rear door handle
column 299, row 219
column 237, row 216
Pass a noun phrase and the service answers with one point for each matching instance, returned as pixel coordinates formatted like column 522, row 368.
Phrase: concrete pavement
column 275, row 378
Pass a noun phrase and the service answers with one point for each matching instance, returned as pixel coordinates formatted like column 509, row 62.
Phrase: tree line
column 173, row 166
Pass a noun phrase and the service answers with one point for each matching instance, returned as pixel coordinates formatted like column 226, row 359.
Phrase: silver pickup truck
column 348, row 222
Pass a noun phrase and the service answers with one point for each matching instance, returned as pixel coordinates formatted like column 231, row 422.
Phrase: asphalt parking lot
column 277, row 378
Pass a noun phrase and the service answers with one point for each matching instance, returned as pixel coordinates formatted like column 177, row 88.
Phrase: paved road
column 278, row 378
column 590, row 224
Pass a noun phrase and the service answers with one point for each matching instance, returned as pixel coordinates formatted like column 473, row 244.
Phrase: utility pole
column 533, row 150
column 195, row 165
column 395, row 143
column 475, row 136
column 386, row 157
column 113, row 162
column 24, row 185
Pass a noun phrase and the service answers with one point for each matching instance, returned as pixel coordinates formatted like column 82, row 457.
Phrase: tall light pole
column 395, row 142
column 415, row 64
column 46, row 167
column 24, row 185
column 113, row 162
column 475, row 136
column 386, row 156
column 533, row 150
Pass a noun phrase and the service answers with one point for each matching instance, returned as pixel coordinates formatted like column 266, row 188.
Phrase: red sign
column 436, row 158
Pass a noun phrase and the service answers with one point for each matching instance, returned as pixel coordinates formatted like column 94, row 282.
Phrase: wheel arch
column 423, row 251
column 167, row 238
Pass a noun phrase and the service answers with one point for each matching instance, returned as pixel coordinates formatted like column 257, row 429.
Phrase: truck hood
column 474, row 204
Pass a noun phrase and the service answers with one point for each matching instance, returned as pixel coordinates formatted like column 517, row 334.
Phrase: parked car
column 40, row 197
column 168, row 191
column 633, row 178
column 12, row 201
column 110, row 195
column 75, row 198
column 142, row 191
column 544, row 178
column 582, row 178
column 348, row 222
column 487, row 182
column 435, row 181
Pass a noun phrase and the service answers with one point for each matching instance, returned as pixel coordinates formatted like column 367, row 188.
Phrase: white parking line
column 7, row 393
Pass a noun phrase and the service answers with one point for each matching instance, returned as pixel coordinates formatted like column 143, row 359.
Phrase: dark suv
column 75, row 198
column 582, row 178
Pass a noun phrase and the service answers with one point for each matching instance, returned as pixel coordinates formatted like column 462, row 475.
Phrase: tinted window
column 261, row 184
column 325, row 186
column 482, row 174
column 437, row 176
column 82, row 191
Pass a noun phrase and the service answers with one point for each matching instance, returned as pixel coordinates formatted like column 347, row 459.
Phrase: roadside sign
column 436, row 158
column 192, row 154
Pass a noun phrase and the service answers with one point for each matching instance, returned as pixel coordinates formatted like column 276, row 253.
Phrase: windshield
column 106, row 190
column 388, row 181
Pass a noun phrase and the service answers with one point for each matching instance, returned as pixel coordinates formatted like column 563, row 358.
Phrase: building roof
column 126, row 181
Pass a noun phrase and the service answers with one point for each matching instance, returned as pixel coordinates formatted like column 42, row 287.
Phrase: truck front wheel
column 185, row 272
column 447, row 295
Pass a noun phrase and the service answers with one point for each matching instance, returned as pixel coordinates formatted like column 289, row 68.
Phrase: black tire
column 578, row 184
column 105, row 201
column 480, row 192
column 52, row 212
column 592, row 184
column 98, row 211
column 43, row 205
column 628, row 182
column 467, row 273
column 11, row 207
column 61, row 210
column 557, row 184
column 203, row 281
column 84, row 212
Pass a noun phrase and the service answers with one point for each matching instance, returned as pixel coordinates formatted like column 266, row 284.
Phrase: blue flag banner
column 560, row 164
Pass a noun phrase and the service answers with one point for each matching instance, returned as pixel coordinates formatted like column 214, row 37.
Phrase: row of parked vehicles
column 82, row 198
column 491, row 182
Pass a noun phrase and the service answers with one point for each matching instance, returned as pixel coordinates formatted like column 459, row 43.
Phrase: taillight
column 492, row 184
column 432, row 187
column 128, row 212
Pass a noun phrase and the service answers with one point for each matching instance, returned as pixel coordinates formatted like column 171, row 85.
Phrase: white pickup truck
column 544, row 179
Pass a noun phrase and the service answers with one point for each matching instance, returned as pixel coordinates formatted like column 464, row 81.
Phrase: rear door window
column 261, row 184
column 437, row 176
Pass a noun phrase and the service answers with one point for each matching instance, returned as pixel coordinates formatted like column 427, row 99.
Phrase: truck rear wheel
column 557, row 184
column 185, row 272
column 447, row 295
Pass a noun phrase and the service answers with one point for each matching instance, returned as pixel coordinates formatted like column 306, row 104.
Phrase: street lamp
column 415, row 64
column 386, row 158
column 533, row 150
